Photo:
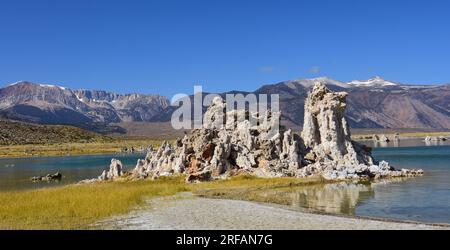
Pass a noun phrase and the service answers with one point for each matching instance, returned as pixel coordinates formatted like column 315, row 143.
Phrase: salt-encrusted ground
column 194, row 213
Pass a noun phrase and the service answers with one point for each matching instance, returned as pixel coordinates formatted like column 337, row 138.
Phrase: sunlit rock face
column 227, row 146
column 326, row 131
column 329, row 148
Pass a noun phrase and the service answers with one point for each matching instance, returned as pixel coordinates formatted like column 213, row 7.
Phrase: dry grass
column 79, row 206
column 66, row 149
column 422, row 135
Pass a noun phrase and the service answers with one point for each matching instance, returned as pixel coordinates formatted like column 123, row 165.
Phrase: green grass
column 79, row 206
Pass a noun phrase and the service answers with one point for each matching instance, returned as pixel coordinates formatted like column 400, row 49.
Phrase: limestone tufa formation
column 216, row 152
column 48, row 178
column 115, row 171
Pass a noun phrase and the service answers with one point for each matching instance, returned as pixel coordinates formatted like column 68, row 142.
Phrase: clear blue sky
column 168, row 46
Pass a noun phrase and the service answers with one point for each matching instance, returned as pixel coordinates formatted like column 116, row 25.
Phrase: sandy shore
column 194, row 213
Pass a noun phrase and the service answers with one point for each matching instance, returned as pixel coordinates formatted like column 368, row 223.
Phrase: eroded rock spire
column 326, row 131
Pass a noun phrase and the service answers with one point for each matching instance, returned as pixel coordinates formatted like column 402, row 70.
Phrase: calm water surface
column 15, row 173
column 425, row 199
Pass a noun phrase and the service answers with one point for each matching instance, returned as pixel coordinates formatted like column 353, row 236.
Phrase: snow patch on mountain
column 52, row 86
column 41, row 85
column 79, row 98
column 309, row 83
column 15, row 83
column 376, row 81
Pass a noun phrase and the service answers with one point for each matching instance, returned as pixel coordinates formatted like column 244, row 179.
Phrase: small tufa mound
column 383, row 138
column 115, row 171
column 226, row 147
column 48, row 178
column 435, row 139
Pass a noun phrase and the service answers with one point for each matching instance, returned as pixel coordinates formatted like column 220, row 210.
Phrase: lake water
column 425, row 199
column 15, row 173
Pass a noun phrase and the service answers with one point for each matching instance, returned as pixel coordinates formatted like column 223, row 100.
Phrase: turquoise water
column 15, row 173
column 424, row 198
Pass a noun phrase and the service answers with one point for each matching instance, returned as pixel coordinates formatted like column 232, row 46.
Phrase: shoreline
column 71, row 149
column 146, row 193
column 216, row 213
column 401, row 136
column 73, row 155
column 111, row 148
column 347, row 216
column 17, row 151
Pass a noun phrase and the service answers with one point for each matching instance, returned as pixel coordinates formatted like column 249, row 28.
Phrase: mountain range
column 373, row 103
column 88, row 109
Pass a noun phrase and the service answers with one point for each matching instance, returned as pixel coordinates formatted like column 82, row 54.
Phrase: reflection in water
column 340, row 198
column 332, row 198
column 381, row 182
column 435, row 143
column 382, row 144
column 335, row 198
column 425, row 198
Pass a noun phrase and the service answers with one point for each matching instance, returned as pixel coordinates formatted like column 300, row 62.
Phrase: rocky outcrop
column 326, row 131
column 48, row 178
column 226, row 146
column 330, row 150
column 115, row 171
column 382, row 138
column 436, row 138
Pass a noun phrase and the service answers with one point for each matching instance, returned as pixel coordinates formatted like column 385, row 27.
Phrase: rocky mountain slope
column 90, row 109
column 375, row 103
column 20, row 133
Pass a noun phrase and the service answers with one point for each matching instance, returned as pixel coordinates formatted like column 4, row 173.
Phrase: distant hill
column 19, row 133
